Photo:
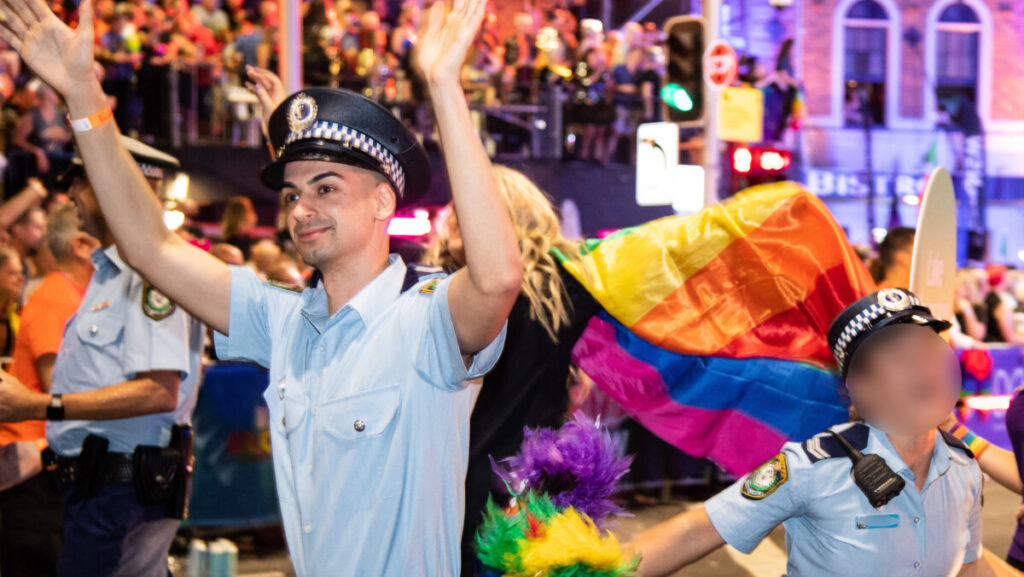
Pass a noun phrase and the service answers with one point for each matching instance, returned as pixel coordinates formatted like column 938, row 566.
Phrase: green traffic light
column 677, row 97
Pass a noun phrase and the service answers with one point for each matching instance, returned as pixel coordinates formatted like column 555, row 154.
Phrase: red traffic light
column 746, row 160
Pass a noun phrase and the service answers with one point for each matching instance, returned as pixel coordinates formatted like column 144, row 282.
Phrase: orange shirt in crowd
column 43, row 319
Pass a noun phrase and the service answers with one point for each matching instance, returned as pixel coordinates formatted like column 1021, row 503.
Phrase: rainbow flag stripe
column 714, row 328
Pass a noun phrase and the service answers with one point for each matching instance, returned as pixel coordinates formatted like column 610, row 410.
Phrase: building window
column 957, row 38
column 866, row 33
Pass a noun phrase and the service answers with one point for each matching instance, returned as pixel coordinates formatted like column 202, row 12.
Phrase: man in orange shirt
column 30, row 515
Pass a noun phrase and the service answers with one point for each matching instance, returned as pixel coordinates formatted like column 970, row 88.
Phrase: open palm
column 448, row 33
column 60, row 56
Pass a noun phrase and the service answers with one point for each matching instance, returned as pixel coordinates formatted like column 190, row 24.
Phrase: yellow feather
column 570, row 538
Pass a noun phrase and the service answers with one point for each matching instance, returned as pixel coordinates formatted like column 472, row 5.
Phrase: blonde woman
column 528, row 385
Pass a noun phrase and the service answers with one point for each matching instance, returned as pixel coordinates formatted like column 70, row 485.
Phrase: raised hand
column 60, row 56
column 448, row 32
column 268, row 89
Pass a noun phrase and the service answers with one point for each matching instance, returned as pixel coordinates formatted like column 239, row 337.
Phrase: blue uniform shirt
column 831, row 529
column 369, row 420
column 123, row 328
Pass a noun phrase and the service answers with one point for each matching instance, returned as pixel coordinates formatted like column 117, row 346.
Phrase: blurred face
column 905, row 380
column 31, row 232
column 634, row 58
column 11, row 278
column 333, row 210
column 455, row 246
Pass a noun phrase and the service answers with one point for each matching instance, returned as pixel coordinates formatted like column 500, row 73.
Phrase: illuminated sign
column 855, row 185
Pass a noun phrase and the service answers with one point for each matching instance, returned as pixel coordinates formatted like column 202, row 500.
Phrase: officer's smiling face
column 904, row 380
column 334, row 210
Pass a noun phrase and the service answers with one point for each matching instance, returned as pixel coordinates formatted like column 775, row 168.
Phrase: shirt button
column 917, row 520
column 917, row 564
column 322, row 348
column 309, row 529
column 359, row 425
column 94, row 329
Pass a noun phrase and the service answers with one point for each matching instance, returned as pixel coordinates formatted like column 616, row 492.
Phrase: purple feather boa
column 576, row 466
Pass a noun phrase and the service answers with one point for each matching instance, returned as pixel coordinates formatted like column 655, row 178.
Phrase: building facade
column 926, row 75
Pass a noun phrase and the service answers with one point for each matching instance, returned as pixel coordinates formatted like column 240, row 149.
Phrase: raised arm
column 483, row 292
column 676, row 543
column 989, row 566
column 63, row 58
column 11, row 210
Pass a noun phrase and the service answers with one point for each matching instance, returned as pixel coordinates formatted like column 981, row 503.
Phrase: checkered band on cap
column 352, row 138
column 889, row 301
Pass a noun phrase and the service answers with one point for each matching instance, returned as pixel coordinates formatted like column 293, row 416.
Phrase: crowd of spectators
column 989, row 306
column 168, row 64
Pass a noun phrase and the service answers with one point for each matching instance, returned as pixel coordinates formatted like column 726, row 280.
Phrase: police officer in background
column 123, row 388
column 891, row 495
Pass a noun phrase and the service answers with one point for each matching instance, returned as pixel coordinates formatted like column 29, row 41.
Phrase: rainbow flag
column 713, row 335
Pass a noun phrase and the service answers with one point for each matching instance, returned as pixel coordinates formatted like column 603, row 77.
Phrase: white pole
column 290, row 45
column 712, row 154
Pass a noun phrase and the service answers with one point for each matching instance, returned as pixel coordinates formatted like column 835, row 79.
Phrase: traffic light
column 756, row 160
column 683, row 92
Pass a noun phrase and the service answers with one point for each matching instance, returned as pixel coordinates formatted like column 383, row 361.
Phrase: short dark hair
column 896, row 240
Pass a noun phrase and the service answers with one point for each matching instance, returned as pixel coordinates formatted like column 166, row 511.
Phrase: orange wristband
column 95, row 121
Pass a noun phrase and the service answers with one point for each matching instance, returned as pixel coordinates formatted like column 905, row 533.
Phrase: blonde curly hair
column 539, row 233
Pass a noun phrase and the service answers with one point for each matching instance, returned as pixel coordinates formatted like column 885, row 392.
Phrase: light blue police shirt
column 369, row 420
column 123, row 328
column 831, row 529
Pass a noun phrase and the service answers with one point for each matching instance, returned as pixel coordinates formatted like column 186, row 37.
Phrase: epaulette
column 415, row 273
column 283, row 286
column 825, row 446
column 956, row 443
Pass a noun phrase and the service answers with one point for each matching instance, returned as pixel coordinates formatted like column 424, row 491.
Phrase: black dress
column 993, row 330
column 528, row 387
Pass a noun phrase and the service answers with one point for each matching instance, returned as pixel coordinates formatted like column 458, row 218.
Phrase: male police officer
column 126, row 375
column 887, row 496
column 369, row 412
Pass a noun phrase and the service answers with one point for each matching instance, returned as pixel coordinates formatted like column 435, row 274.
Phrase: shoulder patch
column 824, row 446
column 767, row 478
column 429, row 288
column 155, row 304
column 283, row 286
column 956, row 443
column 417, row 273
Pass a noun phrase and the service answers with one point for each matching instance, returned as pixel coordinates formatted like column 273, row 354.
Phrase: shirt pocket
column 879, row 521
column 365, row 462
column 99, row 330
column 287, row 411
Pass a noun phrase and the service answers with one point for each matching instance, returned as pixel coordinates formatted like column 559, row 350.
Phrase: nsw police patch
column 155, row 304
column 764, row 480
column 429, row 288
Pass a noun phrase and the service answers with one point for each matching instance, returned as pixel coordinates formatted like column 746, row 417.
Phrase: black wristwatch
column 55, row 410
